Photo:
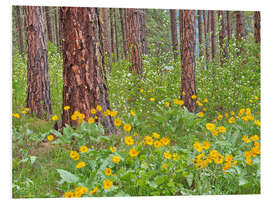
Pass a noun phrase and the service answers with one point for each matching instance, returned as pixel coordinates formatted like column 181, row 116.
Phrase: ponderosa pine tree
column 240, row 29
column 206, row 36
column 133, row 38
column 174, row 33
column 229, row 32
column 188, row 85
column 222, row 35
column 116, row 33
column 83, row 73
column 38, row 85
column 199, row 16
column 56, row 26
column 124, row 33
column 257, row 26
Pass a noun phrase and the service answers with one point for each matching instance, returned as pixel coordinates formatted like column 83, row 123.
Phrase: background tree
column 56, row 26
column 133, row 37
column 206, row 36
column 116, row 33
column 123, row 29
column 38, row 91
column 48, row 20
column 199, row 16
column 174, row 33
column 257, row 26
column 112, row 31
column 240, row 29
column 213, row 33
column 19, row 30
column 222, row 35
column 142, row 24
column 188, row 85
column 228, row 14
column 84, row 77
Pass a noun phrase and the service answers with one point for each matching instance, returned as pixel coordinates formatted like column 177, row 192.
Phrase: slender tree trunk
column 213, row 33
column 124, row 34
column 143, row 31
column 84, row 77
column 206, row 37
column 188, row 59
column 105, row 38
column 229, row 33
column 116, row 34
column 200, row 32
column 56, row 27
column 60, row 29
column 240, row 30
column 38, row 85
column 257, row 26
column 19, row 30
column 209, row 31
column 112, row 32
column 180, row 27
column 48, row 20
column 222, row 35
column 133, row 36
column 174, row 33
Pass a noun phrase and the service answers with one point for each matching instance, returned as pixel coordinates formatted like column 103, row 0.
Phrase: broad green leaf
column 67, row 176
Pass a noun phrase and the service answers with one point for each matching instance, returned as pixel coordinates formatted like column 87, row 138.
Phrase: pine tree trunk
column 229, row 33
column 206, row 37
column 240, row 30
column 19, row 30
column 116, row 34
column 188, row 59
column 124, row 34
column 83, row 72
column 222, row 35
column 174, row 33
column 49, row 27
column 56, row 27
column 257, row 26
column 133, row 37
column 213, row 33
column 180, row 27
column 143, row 31
column 200, row 32
column 60, row 29
column 112, row 32
column 38, row 91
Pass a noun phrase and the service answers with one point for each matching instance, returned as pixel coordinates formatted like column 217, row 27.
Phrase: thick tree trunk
column 229, row 32
column 133, row 36
column 213, row 33
column 206, row 37
column 222, row 35
column 124, row 33
column 188, row 59
column 257, row 26
column 56, row 26
column 38, row 91
column 112, row 31
column 19, row 30
column 200, row 32
column 116, row 34
column 84, row 77
column 49, row 27
column 174, row 33
column 240, row 29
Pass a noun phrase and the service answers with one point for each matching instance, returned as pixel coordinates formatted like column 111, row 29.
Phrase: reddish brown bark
column 19, row 30
column 206, row 36
column 188, row 59
column 49, row 27
column 257, row 26
column 83, row 72
column 229, row 33
column 213, row 33
column 240, row 29
column 133, row 36
column 38, row 85
column 174, row 33
column 124, row 33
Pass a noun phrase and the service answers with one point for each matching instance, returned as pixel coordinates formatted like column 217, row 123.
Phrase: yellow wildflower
column 152, row 99
column 194, row 96
column 129, row 141
column 99, row 108
column 117, row 122
column 127, row 127
column 133, row 152
column 91, row 120
column 80, row 164
column 50, row 137
column 55, row 118
column 113, row 149
column 107, row 184
column 94, row 190
column 167, row 155
column 132, row 113
column 84, row 149
column 197, row 146
column 66, row 108
column 108, row 171
column 116, row 159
